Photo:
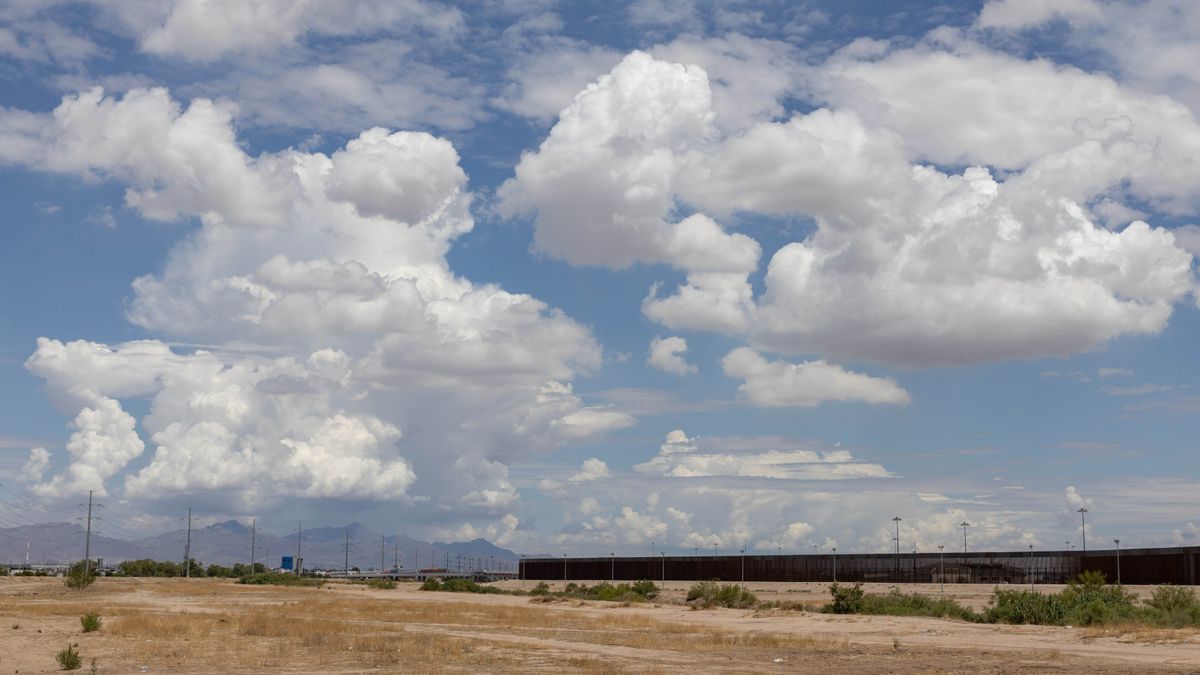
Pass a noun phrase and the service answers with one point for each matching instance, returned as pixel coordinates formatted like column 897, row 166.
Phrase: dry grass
column 1134, row 632
column 213, row 626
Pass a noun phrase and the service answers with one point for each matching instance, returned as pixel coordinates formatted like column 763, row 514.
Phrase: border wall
column 1137, row 566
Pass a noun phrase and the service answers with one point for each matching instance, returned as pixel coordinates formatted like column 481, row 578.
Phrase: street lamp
column 564, row 568
column 942, row 566
column 743, row 563
column 835, row 564
column 1031, row 567
column 612, row 569
column 1118, row 543
column 664, row 559
column 897, row 520
column 1083, row 527
column 965, row 525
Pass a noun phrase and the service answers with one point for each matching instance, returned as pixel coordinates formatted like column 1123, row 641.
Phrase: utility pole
column 299, row 538
column 1083, row 527
column 396, row 558
column 897, row 520
column 253, row 534
column 942, row 566
column 187, row 549
column 87, row 541
column 27, row 551
column 382, row 553
column 346, row 567
column 1118, row 543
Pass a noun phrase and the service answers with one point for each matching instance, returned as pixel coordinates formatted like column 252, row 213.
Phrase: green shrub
column 542, row 588
column 1026, row 607
column 645, row 588
column 707, row 594
column 431, row 585
column 382, row 584
column 68, row 659
column 79, row 577
column 1090, row 602
column 280, row 579
column 846, row 599
column 895, row 603
column 1173, row 607
column 215, row 570
column 90, row 622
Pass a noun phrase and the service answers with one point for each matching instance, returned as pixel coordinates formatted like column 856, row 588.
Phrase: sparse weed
column 68, row 659
column 707, row 594
column 90, row 622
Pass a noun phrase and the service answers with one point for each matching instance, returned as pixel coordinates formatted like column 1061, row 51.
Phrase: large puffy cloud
column 103, row 443
column 1043, row 107
column 601, row 183
column 1150, row 45
column 381, row 362
column 782, row 384
column 174, row 160
column 908, row 264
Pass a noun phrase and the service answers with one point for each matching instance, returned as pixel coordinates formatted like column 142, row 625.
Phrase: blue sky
column 580, row 277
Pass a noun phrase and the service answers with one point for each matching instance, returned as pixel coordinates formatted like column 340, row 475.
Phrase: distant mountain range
column 229, row 542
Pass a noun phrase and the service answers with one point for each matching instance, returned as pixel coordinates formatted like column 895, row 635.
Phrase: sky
column 597, row 277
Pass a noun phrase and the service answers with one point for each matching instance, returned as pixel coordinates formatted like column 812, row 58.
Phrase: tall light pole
column 1118, row 543
column 612, row 563
column 964, row 524
column 564, row 568
column 835, row 564
column 664, row 570
column 897, row 520
column 1031, row 567
column 1083, row 527
column 942, row 566
column 743, row 552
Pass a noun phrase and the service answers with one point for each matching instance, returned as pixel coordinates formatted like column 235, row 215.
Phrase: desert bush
column 382, row 584
column 846, row 599
column 1089, row 601
column 707, row 594
column 280, row 579
column 1026, row 607
column 542, row 588
column 645, row 588
column 90, row 622
column 1173, row 607
column 3, row 571
column 895, row 603
column 78, row 577
column 459, row 586
column 68, row 659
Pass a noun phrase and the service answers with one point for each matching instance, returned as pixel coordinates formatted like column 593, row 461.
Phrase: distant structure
column 1179, row 565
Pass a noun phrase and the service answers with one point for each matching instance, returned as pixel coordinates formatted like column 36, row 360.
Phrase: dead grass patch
column 1142, row 633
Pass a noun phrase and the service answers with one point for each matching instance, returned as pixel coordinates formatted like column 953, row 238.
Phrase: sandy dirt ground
column 175, row 625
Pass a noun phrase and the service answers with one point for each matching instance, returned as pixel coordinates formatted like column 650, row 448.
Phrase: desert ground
column 208, row 626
